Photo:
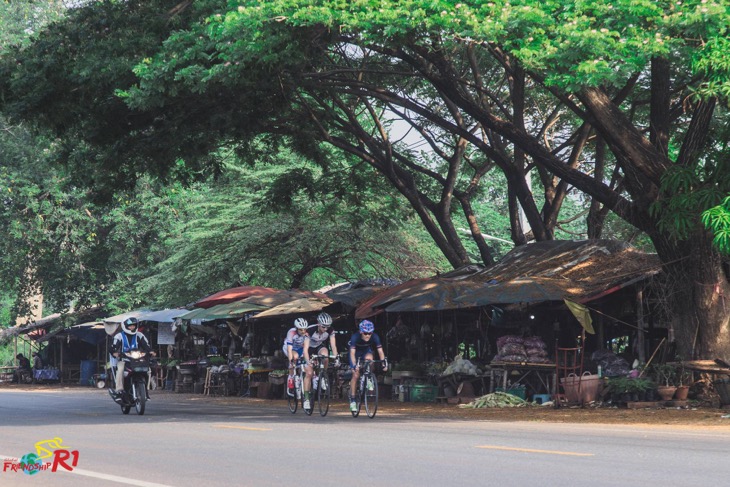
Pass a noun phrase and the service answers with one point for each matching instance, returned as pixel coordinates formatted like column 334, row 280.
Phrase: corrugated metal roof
column 553, row 270
column 542, row 271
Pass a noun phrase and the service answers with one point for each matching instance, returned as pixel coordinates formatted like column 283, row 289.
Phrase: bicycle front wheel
column 371, row 395
column 323, row 395
column 292, row 400
column 358, row 401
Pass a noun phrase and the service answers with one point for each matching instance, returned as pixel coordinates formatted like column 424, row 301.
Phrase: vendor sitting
column 23, row 369
column 37, row 361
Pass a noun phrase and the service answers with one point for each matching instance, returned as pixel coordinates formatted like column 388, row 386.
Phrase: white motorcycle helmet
column 301, row 324
column 130, row 322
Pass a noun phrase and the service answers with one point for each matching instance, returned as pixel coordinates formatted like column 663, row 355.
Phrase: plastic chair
column 568, row 375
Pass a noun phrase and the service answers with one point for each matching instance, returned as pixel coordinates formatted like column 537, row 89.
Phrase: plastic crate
column 423, row 393
column 518, row 391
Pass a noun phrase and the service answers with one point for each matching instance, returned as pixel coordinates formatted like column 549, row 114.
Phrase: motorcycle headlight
column 136, row 354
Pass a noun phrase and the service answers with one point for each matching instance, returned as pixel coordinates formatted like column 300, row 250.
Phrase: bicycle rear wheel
column 371, row 395
column 323, row 394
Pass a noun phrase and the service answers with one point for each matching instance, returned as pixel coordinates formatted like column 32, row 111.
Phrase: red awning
column 233, row 294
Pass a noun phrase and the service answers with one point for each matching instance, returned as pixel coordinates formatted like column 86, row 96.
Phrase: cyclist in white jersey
column 315, row 344
column 294, row 349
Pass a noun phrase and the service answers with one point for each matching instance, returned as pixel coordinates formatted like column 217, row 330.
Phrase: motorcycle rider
column 129, row 338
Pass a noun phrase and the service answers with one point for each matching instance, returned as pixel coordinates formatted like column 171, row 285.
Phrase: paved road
column 189, row 441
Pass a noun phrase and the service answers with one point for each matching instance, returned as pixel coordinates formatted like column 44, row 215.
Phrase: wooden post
column 640, row 323
column 601, row 331
column 60, row 365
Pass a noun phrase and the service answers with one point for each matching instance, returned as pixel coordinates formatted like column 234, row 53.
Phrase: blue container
column 88, row 369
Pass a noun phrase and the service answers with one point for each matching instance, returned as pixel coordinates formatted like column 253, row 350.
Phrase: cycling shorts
column 359, row 354
column 299, row 351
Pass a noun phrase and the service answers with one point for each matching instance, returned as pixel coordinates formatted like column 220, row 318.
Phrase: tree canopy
column 625, row 102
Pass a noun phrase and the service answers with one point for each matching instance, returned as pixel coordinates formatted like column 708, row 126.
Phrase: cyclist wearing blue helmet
column 361, row 348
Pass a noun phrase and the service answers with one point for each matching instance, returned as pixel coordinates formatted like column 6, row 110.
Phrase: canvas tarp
column 298, row 306
column 222, row 311
column 233, row 294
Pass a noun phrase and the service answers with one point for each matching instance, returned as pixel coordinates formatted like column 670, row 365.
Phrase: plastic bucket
column 570, row 387
column 589, row 385
column 581, row 389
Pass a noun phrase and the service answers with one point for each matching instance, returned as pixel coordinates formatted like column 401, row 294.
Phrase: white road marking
column 96, row 475
column 532, row 450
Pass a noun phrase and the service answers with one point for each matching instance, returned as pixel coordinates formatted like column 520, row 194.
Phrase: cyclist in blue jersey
column 361, row 348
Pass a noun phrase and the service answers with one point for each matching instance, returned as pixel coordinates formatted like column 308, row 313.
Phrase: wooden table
column 707, row 366
column 250, row 379
column 71, row 373
column 7, row 372
column 46, row 374
column 544, row 373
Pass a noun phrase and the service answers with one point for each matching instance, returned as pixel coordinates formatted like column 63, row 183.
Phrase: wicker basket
column 277, row 379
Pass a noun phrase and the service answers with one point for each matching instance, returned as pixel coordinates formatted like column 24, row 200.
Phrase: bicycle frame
column 321, row 378
column 366, row 389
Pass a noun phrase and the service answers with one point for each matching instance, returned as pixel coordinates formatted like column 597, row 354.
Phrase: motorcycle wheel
column 141, row 392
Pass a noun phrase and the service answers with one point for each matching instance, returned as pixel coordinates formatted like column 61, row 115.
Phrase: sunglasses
column 368, row 334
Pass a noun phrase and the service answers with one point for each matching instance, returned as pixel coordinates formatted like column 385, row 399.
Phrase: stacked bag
column 513, row 348
column 537, row 351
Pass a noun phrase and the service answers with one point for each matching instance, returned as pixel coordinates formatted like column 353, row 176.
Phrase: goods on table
column 461, row 366
column 512, row 348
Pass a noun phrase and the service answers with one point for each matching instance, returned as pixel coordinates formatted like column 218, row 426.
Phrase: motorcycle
column 136, row 377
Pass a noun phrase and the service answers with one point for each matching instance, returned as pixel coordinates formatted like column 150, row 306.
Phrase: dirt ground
column 693, row 414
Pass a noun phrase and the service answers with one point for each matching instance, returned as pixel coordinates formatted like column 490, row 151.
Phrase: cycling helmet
column 366, row 326
column 301, row 324
column 324, row 319
column 130, row 322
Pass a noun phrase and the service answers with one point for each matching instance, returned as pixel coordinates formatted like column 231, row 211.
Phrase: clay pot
column 666, row 392
column 682, row 392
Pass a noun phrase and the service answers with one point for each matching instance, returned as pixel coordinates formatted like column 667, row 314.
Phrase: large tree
column 627, row 102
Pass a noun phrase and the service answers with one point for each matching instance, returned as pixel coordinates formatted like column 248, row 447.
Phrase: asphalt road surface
column 186, row 440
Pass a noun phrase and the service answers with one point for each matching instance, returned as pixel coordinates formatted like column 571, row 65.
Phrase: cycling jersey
column 363, row 347
column 295, row 340
column 317, row 340
column 359, row 344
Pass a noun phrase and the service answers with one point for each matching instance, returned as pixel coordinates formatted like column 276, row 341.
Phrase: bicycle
column 366, row 390
column 293, row 400
column 322, row 383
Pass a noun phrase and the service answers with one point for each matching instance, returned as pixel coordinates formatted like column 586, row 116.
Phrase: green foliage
column 620, row 385
column 717, row 219
column 133, row 89
column 668, row 374
column 237, row 230
column 21, row 18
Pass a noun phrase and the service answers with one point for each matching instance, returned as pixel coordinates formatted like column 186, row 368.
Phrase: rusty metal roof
column 542, row 271
column 581, row 268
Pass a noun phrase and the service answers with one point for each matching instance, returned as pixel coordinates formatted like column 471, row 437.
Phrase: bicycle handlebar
column 365, row 362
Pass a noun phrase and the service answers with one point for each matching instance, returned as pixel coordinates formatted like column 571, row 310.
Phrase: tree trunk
column 699, row 300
